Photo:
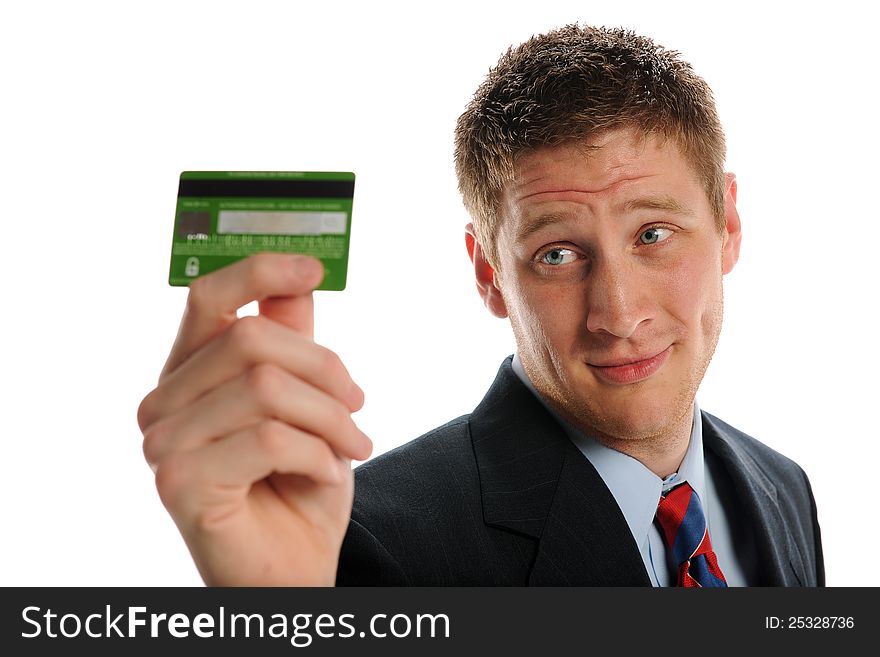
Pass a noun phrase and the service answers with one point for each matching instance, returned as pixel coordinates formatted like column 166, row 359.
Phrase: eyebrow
column 662, row 203
column 535, row 224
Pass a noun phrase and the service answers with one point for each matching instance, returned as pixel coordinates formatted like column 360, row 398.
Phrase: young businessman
column 591, row 162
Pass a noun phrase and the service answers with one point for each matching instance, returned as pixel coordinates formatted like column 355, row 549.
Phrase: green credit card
column 224, row 216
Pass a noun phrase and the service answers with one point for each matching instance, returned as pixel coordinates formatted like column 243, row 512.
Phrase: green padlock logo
column 192, row 267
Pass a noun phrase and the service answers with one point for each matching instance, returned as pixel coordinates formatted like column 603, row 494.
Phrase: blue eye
column 558, row 256
column 654, row 234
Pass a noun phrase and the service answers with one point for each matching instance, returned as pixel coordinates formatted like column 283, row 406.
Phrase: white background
column 104, row 103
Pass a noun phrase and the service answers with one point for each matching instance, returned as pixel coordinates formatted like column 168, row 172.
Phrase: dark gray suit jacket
column 503, row 497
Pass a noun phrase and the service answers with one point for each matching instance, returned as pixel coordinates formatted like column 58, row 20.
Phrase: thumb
column 296, row 312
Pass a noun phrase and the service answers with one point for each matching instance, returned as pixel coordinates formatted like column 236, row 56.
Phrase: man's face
column 609, row 267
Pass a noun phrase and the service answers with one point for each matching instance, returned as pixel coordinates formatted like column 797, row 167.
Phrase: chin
column 636, row 412
column 639, row 411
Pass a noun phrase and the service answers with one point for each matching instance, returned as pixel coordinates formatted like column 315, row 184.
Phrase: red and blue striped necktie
column 683, row 522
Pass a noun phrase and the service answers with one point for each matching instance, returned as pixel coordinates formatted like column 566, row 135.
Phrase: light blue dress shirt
column 637, row 491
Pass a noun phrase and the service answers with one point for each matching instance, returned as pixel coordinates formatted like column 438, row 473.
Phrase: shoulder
column 778, row 492
column 441, row 459
column 721, row 436
column 760, row 472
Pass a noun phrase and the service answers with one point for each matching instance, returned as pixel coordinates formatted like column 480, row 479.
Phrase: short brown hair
column 573, row 83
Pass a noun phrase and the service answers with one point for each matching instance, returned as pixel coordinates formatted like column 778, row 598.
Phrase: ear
column 485, row 275
column 732, row 236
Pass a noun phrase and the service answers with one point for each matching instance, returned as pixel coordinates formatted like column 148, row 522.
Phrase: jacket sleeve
column 817, row 535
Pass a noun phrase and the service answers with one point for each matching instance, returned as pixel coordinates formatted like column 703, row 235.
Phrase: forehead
column 604, row 163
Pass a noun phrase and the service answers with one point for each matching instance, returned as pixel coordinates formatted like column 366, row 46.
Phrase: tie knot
column 683, row 522
column 680, row 514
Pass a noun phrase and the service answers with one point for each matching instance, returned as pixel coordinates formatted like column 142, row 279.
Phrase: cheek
column 544, row 315
column 693, row 290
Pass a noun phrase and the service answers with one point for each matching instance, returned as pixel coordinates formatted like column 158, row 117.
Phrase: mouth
column 627, row 370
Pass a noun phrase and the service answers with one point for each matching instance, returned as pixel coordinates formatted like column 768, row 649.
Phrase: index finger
column 214, row 298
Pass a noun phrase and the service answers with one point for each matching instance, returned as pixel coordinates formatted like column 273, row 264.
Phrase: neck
column 662, row 453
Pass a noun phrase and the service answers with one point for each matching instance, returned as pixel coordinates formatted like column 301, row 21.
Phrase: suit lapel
column 779, row 556
column 586, row 540
column 535, row 482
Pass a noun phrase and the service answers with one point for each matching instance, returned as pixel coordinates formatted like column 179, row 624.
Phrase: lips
column 630, row 370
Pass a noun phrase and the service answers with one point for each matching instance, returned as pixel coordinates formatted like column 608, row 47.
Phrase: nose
column 618, row 298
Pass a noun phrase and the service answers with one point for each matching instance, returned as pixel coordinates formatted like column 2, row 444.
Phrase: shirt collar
column 636, row 489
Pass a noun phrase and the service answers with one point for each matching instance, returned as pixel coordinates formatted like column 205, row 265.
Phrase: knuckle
column 329, row 363
column 271, row 438
column 145, row 412
column 172, row 477
column 265, row 382
column 198, row 296
column 156, row 438
column 245, row 334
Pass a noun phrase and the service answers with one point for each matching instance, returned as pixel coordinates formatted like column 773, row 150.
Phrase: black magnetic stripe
column 267, row 188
